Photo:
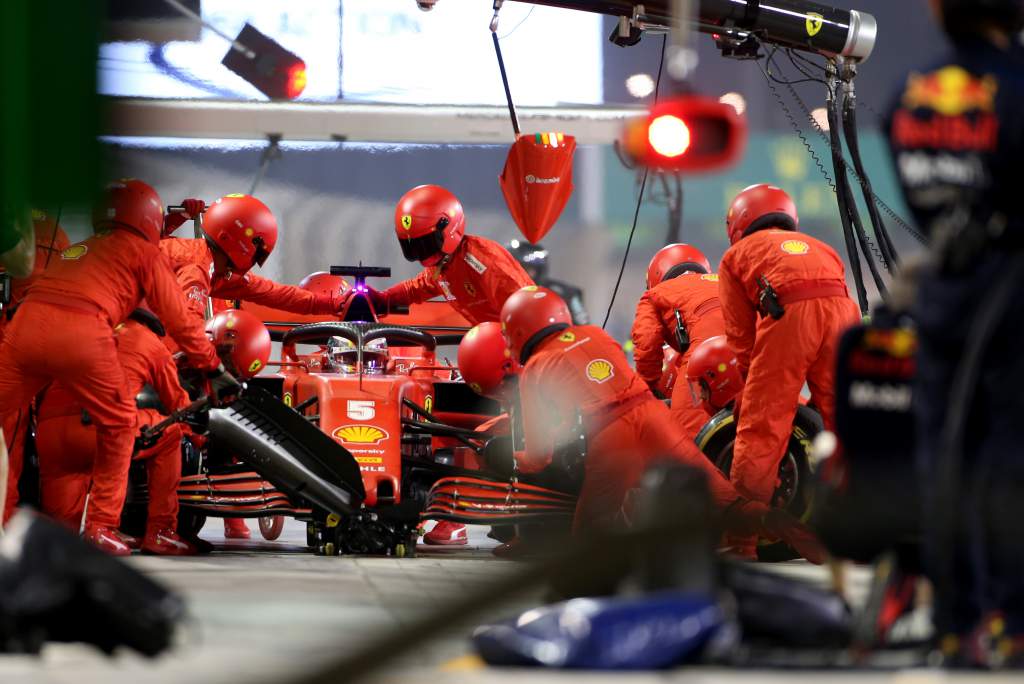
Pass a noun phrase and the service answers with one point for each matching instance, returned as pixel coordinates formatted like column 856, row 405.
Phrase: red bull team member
column 957, row 139
column 680, row 308
column 570, row 370
column 473, row 274
column 94, row 287
column 50, row 241
column 785, row 303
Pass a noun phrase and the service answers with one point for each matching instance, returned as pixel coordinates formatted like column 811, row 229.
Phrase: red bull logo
column 951, row 91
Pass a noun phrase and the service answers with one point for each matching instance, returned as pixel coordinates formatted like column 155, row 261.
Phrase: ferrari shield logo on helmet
column 407, row 222
column 600, row 371
column 255, row 366
column 814, row 23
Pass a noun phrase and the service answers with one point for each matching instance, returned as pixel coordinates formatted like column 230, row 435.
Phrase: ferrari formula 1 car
column 362, row 433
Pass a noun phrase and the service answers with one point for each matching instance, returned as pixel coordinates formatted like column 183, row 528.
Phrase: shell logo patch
column 255, row 366
column 600, row 371
column 567, row 337
column 814, row 23
column 360, row 434
column 74, row 252
column 407, row 222
column 795, row 247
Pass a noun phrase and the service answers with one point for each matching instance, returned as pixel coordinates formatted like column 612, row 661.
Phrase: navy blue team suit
column 957, row 137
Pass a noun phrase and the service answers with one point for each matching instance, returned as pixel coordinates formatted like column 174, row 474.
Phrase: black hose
column 885, row 245
column 941, row 509
column 843, row 198
column 867, row 248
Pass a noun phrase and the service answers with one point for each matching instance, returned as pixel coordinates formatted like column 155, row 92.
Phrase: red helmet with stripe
column 530, row 315
column 429, row 223
column 242, row 342
column 243, row 228
column 675, row 260
column 758, row 207
column 130, row 204
column 485, row 361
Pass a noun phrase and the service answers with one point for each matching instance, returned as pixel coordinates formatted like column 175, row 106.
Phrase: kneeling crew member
column 572, row 372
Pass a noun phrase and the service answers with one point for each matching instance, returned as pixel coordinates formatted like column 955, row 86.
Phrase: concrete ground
column 264, row 611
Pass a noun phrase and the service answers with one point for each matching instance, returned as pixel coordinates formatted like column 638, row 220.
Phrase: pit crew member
column 956, row 136
column 785, row 302
column 534, row 260
column 64, row 331
column 475, row 275
column 571, row 370
column 680, row 308
column 50, row 241
column 713, row 375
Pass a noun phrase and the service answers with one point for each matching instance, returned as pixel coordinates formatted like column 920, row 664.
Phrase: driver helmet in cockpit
column 343, row 356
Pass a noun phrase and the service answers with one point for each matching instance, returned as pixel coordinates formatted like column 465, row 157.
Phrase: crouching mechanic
column 572, row 372
column 785, row 303
column 64, row 331
column 680, row 308
column 713, row 374
column 473, row 274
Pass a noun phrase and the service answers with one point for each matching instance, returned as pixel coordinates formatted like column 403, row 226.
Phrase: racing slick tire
column 190, row 522
column 795, row 492
column 271, row 526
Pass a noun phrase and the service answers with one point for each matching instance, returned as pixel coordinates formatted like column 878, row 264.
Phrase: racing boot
column 446, row 533
column 166, row 543
column 107, row 540
column 753, row 519
column 235, row 528
column 131, row 542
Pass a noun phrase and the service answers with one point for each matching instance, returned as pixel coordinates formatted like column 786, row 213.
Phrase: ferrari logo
column 74, row 252
column 428, row 404
column 360, row 434
column 567, row 337
column 600, row 371
column 795, row 247
column 255, row 366
column 814, row 23
column 288, row 401
column 475, row 386
column 407, row 222
column 470, row 289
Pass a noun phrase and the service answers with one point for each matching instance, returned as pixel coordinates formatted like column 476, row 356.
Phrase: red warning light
column 296, row 82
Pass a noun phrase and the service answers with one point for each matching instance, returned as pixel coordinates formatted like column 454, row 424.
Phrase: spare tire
column 795, row 493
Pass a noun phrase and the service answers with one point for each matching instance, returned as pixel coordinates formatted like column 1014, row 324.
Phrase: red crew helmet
column 714, row 374
column 758, row 207
column 323, row 283
column 485, row 360
column 529, row 315
column 242, row 342
column 675, row 260
column 429, row 223
column 130, row 204
column 243, row 228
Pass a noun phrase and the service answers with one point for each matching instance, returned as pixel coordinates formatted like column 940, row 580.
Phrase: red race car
column 363, row 432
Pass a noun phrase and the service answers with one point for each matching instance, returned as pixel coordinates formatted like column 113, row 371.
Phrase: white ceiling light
column 738, row 102
column 640, row 85
column 820, row 116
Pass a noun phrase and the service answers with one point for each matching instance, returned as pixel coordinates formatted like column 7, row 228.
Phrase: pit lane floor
column 263, row 611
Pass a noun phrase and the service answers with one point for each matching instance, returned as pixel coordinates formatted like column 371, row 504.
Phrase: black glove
column 222, row 384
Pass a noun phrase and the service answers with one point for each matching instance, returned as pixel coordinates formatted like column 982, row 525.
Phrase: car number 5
column 361, row 410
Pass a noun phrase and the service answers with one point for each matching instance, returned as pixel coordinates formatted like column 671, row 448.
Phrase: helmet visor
column 423, row 247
